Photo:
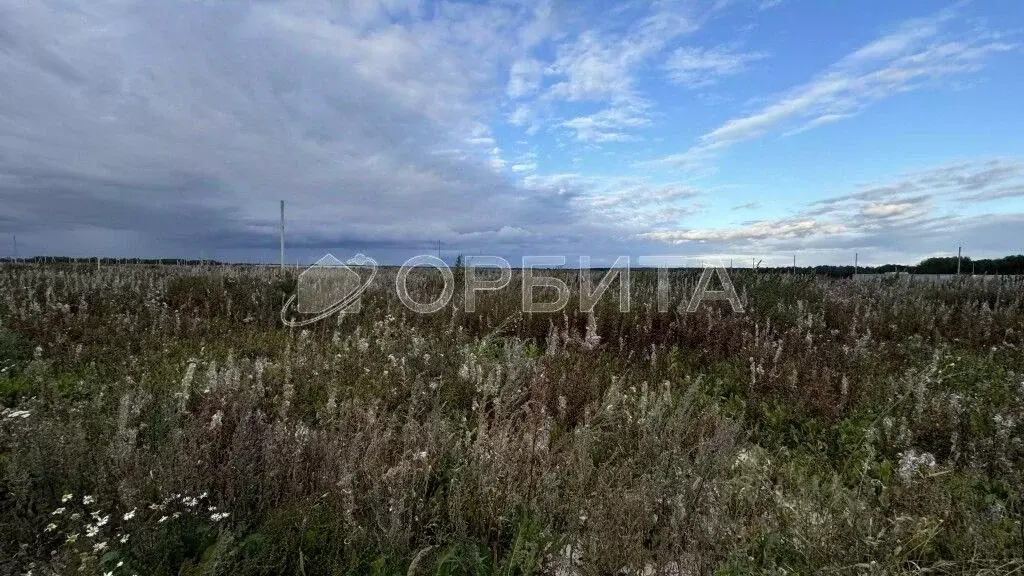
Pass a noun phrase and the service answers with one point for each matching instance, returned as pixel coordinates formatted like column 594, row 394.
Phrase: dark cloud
column 186, row 122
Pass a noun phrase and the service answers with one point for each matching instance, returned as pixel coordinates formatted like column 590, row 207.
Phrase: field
column 162, row 420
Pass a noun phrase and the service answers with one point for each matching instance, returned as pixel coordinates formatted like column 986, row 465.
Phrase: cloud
column 762, row 230
column 913, row 213
column 601, row 65
column 920, row 52
column 880, row 210
column 748, row 206
column 696, row 67
column 610, row 124
column 525, row 77
column 161, row 128
column 977, row 180
column 184, row 124
column 1013, row 191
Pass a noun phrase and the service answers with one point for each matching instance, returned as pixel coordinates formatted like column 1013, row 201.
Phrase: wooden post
column 958, row 250
column 282, row 236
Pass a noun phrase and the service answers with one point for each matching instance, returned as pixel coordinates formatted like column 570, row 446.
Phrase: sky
column 704, row 129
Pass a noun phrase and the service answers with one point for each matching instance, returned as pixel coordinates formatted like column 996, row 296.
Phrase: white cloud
column 524, row 77
column 609, row 125
column 880, row 210
column 695, row 67
column 919, row 52
column 601, row 65
column 916, row 209
column 764, row 230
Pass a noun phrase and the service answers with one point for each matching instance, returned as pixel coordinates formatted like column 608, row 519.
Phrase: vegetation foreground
column 161, row 420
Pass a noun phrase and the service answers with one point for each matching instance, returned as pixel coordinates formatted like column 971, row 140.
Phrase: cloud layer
column 163, row 128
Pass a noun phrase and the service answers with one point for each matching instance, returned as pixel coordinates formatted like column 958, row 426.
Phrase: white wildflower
column 215, row 421
column 911, row 461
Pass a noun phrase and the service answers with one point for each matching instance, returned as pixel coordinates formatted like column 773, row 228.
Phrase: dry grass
column 162, row 421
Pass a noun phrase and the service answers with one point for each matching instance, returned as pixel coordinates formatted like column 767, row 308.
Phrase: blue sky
column 720, row 128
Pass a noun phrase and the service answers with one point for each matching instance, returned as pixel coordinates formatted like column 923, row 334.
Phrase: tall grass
column 162, row 421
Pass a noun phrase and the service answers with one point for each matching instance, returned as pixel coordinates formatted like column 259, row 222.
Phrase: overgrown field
column 161, row 420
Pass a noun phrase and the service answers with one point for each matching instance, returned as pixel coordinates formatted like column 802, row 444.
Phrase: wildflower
column 1003, row 422
column 162, row 520
column 66, row 498
column 88, row 499
column 99, row 547
column 129, row 515
column 911, row 461
column 745, row 458
column 57, row 512
column 123, row 539
column 218, row 516
column 591, row 339
column 50, row 527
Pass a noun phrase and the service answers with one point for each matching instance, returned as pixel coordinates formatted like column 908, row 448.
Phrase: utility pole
column 282, row 236
column 794, row 264
column 855, row 257
column 14, row 237
column 958, row 251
